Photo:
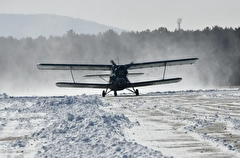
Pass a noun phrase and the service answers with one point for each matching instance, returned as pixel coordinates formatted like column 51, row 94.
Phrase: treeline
column 218, row 50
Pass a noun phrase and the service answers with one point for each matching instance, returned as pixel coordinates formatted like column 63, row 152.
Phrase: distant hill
column 19, row 26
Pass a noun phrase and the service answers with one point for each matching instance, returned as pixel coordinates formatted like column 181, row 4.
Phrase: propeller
column 129, row 65
column 114, row 64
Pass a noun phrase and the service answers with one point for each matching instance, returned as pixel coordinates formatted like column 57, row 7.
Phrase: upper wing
column 163, row 63
column 82, row 85
column 155, row 82
column 42, row 66
column 45, row 66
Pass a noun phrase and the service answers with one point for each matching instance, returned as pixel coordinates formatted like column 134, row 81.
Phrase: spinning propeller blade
column 129, row 65
column 114, row 64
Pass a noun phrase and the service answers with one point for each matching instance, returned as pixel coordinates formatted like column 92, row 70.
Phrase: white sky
column 136, row 15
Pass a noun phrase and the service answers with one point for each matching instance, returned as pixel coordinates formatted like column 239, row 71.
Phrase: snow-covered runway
column 179, row 124
column 184, row 124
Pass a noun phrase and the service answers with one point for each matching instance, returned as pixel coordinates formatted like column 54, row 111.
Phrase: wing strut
column 165, row 66
column 72, row 74
column 103, row 79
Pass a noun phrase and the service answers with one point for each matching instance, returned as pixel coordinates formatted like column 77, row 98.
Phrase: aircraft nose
column 121, row 81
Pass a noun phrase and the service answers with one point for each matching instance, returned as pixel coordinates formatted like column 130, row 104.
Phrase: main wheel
column 137, row 92
column 103, row 93
column 115, row 93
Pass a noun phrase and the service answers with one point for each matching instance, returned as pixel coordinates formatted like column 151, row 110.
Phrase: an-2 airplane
column 118, row 77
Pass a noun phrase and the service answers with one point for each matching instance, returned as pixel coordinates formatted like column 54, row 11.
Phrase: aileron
column 155, row 82
column 163, row 63
column 81, row 85
column 73, row 67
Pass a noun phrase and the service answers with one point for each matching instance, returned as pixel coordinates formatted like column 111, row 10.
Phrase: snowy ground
column 184, row 124
column 178, row 124
column 64, row 126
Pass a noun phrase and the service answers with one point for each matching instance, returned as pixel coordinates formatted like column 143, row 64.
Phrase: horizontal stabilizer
column 98, row 75
column 108, row 75
column 135, row 74
column 82, row 85
column 154, row 82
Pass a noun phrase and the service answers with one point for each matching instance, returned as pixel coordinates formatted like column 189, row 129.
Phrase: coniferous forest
column 217, row 48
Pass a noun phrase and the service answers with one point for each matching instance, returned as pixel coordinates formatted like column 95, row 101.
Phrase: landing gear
column 137, row 92
column 115, row 93
column 103, row 93
column 134, row 91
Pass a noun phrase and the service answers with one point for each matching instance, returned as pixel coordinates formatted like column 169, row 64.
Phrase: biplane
column 118, row 76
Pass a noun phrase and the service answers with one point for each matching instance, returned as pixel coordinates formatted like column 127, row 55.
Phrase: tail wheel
column 115, row 93
column 103, row 93
column 137, row 92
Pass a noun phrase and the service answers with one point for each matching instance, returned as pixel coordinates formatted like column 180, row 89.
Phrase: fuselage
column 118, row 78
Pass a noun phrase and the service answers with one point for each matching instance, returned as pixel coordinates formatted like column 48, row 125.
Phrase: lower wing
column 82, row 85
column 104, row 86
column 155, row 82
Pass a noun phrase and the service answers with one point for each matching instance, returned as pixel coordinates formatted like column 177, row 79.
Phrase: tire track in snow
column 184, row 124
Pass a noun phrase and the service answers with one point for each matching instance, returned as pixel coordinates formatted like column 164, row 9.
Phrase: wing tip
column 39, row 66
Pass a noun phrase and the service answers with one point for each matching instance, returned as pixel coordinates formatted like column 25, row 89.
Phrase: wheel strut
column 137, row 92
column 103, row 93
column 115, row 93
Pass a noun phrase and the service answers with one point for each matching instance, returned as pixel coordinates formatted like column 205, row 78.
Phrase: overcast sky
column 136, row 15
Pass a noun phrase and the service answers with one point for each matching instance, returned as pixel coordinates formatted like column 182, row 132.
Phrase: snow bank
column 80, row 128
column 4, row 96
column 64, row 126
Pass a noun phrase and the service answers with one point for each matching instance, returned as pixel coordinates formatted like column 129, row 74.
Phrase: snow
column 203, row 123
column 64, row 126
column 192, row 123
